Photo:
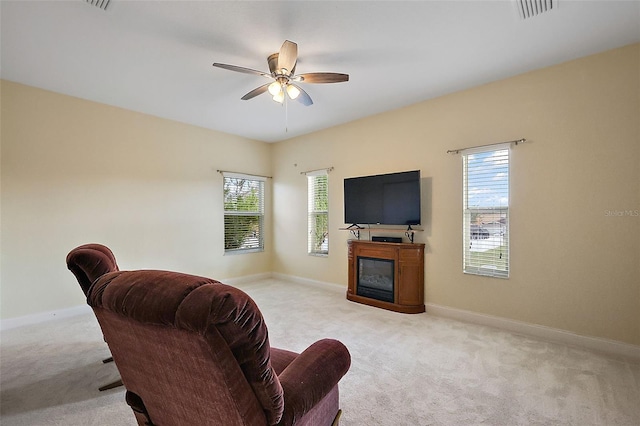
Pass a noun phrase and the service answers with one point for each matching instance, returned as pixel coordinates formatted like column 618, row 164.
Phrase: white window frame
column 486, row 194
column 313, row 248
column 254, row 243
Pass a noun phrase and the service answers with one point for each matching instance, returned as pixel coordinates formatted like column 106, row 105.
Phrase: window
column 243, row 213
column 486, row 211
column 318, row 210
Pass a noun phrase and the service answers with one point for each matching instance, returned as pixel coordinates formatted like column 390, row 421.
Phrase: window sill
column 318, row 254
column 242, row 251
column 488, row 273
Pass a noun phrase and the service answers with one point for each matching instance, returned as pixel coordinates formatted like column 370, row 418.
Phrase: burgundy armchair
column 88, row 262
column 191, row 350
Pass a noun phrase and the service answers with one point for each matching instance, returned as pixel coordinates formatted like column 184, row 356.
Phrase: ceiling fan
column 282, row 67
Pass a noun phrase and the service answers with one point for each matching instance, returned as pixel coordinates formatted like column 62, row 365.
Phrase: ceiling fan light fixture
column 275, row 88
column 282, row 69
column 292, row 91
column 279, row 97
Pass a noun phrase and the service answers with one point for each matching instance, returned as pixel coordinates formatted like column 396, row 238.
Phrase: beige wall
column 75, row 172
column 574, row 266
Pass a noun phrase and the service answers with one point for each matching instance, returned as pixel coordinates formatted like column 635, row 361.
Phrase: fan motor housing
column 273, row 63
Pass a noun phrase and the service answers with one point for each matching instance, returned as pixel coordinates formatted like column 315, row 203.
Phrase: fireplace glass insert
column 375, row 278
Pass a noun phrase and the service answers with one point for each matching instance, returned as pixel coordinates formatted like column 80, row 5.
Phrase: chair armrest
column 311, row 376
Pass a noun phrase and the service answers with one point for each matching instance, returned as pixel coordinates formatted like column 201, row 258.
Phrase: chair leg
column 336, row 420
column 115, row 384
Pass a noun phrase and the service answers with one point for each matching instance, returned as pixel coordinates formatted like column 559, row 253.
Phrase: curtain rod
column 241, row 173
column 459, row 150
column 328, row 169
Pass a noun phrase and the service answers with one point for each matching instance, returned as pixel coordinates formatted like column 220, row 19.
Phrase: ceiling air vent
column 530, row 8
column 102, row 4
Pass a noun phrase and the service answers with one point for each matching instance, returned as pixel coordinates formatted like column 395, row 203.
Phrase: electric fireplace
column 375, row 278
column 387, row 275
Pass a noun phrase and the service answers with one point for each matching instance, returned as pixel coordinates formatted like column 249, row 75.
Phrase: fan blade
column 303, row 97
column 241, row 69
column 288, row 56
column 323, row 77
column 255, row 92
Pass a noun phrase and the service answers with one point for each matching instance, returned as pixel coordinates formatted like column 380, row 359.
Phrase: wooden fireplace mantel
column 408, row 286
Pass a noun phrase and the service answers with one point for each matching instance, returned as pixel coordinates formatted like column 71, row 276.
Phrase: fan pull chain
column 286, row 115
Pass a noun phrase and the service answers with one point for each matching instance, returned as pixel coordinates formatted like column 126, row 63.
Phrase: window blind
column 318, row 210
column 243, row 213
column 486, row 211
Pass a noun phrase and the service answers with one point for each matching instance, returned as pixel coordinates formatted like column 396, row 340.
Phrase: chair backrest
column 89, row 262
column 194, row 350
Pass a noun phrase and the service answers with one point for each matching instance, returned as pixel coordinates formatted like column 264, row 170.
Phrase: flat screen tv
column 389, row 199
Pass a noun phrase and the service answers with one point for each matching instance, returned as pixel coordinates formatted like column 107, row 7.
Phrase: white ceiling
column 155, row 56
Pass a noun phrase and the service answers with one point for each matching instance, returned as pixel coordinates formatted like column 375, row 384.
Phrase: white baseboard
column 9, row 323
column 545, row 333
column 307, row 281
column 612, row 347
column 246, row 279
column 549, row 334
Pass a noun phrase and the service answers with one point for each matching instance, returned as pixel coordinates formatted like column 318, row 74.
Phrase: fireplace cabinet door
column 410, row 282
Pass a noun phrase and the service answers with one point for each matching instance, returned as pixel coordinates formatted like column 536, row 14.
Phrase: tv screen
column 390, row 199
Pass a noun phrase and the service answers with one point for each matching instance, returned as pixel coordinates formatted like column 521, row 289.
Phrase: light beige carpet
column 406, row 369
